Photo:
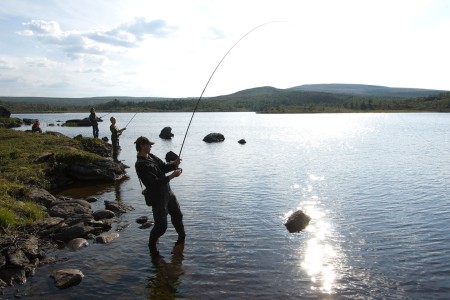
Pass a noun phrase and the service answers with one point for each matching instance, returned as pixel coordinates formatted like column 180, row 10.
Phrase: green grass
column 26, row 159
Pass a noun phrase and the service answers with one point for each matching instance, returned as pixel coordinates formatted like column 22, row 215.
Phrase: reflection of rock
column 214, row 138
column 146, row 225
column 297, row 221
column 166, row 133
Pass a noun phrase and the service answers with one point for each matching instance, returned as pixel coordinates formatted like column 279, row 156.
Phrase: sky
column 147, row 48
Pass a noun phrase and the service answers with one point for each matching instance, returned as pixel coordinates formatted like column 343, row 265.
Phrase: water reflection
column 118, row 194
column 320, row 257
column 166, row 278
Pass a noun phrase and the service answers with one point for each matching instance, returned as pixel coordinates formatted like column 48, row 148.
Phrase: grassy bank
column 31, row 159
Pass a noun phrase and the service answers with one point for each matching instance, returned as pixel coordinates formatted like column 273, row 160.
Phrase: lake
column 377, row 188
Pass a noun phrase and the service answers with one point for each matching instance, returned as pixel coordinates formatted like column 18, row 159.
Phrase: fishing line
column 198, row 101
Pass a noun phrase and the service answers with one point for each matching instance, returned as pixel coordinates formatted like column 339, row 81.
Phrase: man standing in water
column 94, row 121
column 115, row 133
column 151, row 171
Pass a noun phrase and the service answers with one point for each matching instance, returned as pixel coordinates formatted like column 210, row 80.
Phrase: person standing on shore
column 115, row 133
column 94, row 121
column 151, row 171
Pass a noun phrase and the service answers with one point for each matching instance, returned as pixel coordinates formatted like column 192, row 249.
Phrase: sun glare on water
column 319, row 255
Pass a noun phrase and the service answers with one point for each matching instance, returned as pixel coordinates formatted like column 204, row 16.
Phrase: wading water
column 375, row 186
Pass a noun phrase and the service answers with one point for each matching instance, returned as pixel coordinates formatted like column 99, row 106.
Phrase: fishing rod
column 198, row 101
column 130, row 120
column 104, row 115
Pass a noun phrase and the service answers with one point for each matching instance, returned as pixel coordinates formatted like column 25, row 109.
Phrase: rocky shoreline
column 69, row 223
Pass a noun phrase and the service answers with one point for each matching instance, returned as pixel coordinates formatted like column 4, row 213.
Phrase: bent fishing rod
column 198, row 101
column 130, row 120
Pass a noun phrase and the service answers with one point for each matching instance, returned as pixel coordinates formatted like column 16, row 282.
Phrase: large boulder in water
column 297, row 221
column 79, row 123
column 166, row 133
column 214, row 138
column 29, row 121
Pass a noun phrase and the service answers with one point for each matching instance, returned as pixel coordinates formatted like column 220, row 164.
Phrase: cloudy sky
column 87, row 48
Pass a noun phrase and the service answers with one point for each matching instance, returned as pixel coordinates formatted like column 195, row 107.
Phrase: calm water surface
column 376, row 186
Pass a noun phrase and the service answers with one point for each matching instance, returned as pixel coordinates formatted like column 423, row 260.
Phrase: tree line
column 279, row 102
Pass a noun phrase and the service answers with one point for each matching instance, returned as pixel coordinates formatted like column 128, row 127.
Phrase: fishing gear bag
column 148, row 199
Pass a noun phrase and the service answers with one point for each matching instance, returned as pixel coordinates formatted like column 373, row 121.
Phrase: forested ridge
column 260, row 100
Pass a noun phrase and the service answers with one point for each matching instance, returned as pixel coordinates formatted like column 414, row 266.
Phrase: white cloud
column 155, row 48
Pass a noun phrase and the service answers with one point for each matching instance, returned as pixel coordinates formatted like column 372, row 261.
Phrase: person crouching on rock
column 36, row 127
column 151, row 171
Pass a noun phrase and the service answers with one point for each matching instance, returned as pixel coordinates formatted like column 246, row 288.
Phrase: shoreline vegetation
column 32, row 166
column 330, row 99
column 31, row 159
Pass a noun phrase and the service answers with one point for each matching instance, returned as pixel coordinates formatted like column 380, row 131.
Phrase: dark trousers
column 95, row 130
column 168, row 205
column 115, row 150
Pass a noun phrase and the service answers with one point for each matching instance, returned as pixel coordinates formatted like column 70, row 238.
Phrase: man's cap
column 142, row 140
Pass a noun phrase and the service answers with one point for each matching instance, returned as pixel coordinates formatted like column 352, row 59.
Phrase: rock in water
column 166, row 133
column 67, row 277
column 106, row 237
column 77, row 243
column 297, row 221
column 214, row 138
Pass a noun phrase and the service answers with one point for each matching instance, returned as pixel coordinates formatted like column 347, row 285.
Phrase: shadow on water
column 165, row 280
column 83, row 190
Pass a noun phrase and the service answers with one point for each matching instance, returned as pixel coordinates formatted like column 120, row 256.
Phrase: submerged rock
column 142, row 219
column 103, row 214
column 297, row 221
column 77, row 243
column 65, row 278
column 106, row 237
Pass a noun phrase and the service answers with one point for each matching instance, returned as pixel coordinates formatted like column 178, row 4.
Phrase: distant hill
column 366, row 90
column 266, row 91
column 88, row 101
column 299, row 99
